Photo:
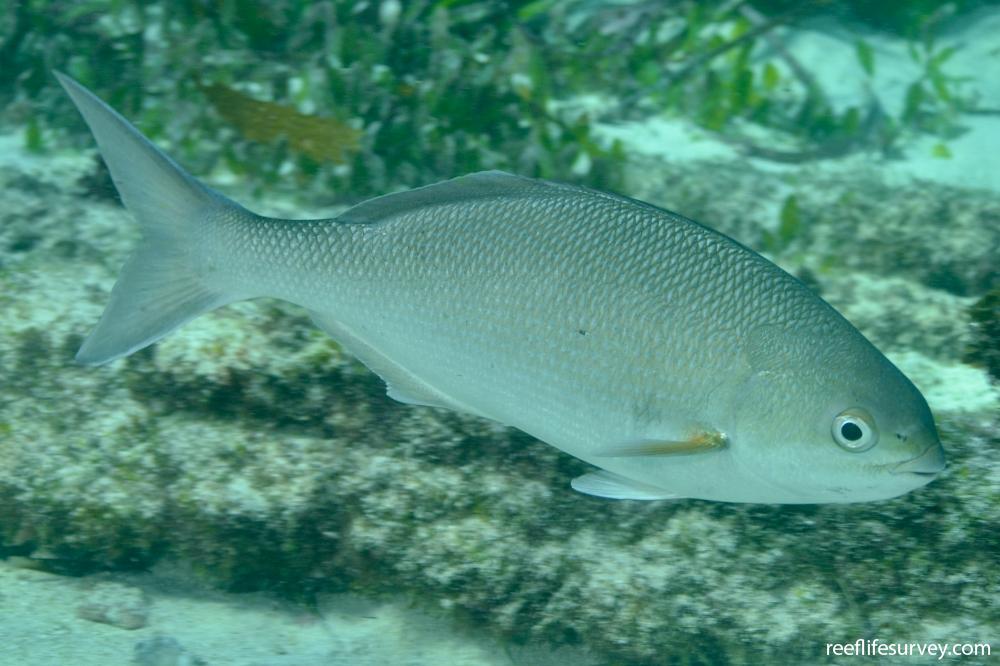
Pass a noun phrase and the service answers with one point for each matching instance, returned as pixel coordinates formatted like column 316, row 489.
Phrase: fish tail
column 161, row 286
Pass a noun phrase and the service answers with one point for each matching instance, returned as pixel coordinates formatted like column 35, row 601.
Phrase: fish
column 677, row 362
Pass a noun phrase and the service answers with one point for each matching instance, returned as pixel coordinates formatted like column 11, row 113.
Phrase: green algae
column 443, row 88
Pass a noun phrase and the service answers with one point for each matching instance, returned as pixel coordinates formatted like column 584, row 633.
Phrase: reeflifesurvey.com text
column 876, row 647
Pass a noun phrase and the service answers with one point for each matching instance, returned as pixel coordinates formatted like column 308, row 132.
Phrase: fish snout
column 929, row 463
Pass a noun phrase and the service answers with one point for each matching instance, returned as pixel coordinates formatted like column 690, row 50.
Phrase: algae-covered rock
column 253, row 448
column 984, row 348
column 942, row 237
column 938, row 236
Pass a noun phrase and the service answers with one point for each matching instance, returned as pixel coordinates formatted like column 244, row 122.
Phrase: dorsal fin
column 481, row 185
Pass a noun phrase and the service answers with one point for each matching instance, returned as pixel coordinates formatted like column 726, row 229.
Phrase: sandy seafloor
column 39, row 625
column 40, row 622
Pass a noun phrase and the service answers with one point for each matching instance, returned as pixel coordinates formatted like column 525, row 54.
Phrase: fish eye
column 854, row 430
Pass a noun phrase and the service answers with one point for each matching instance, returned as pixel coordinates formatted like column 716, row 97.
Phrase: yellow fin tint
column 701, row 441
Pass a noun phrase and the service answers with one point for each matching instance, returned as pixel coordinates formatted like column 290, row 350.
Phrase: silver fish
column 669, row 356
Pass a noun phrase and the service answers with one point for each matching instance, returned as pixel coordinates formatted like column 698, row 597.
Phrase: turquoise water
column 243, row 491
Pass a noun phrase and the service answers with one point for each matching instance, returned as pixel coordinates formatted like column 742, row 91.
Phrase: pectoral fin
column 603, row 483
column 701, row 441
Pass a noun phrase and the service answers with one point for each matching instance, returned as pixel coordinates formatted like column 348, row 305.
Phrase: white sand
column 829, row 54
column 39, row 626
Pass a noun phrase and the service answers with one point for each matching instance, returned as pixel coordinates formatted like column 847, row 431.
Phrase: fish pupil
column 851, row 432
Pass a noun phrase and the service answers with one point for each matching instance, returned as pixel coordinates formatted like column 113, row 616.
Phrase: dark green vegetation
column 446, row 87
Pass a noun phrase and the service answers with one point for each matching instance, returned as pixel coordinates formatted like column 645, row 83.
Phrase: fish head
column 828, row 419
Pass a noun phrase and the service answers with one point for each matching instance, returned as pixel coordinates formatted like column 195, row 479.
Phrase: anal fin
column 401, row 384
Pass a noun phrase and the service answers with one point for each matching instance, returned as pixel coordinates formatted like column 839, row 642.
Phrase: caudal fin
column 160, row 288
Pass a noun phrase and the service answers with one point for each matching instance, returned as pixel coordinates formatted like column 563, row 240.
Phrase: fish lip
column 929, row 463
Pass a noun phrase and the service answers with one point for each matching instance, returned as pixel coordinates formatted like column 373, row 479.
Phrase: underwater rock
column 308, row 660
column 115, row 604
column 886, row 307
column 251, row 446
column 939, row 236
column 984, row 350
column 944, row 237
column 163, row 651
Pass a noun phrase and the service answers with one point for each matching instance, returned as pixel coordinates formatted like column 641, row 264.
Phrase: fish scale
column 678, row 362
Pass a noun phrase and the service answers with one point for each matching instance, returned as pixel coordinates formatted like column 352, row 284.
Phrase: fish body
column 675, row 360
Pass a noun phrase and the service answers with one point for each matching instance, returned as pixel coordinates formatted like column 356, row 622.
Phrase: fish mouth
column 929, row 463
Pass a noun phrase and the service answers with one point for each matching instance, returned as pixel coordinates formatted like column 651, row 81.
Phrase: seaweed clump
column 440, row 88
column 984, row 350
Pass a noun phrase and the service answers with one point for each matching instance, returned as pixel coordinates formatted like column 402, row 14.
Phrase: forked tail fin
column 161, row 286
